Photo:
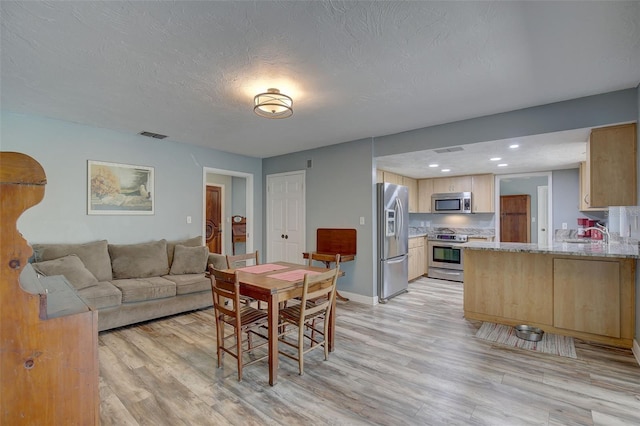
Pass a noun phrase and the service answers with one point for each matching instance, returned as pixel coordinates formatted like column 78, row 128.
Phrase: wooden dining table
column 274, row 283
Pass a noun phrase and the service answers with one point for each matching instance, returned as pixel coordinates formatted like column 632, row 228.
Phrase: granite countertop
column 418, row 235
column 629, row 251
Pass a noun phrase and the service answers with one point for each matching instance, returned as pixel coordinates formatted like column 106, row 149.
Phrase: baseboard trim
column 358, row 298
column 636, row 350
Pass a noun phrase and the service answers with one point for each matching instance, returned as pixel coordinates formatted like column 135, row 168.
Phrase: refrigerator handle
column 400, row 216
column 398, row 259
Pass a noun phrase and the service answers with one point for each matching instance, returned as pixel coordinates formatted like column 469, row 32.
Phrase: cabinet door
column 452, row 184
column 425, row 189
column 612, row 166
column 421, row 264
column 392, row 178
column 482, row 187
column 586, row 296
column 412, row 184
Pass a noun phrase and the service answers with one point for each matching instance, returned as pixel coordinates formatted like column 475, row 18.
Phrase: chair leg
column 220, row 339
column 301, row 348
column 239, row 351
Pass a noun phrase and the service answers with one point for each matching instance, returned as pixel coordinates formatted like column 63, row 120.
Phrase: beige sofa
column 133, row 282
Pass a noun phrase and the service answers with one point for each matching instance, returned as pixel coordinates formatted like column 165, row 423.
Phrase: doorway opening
column 236, row 199
column 538, row 186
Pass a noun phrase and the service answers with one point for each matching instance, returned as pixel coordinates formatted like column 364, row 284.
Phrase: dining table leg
column 273, row 313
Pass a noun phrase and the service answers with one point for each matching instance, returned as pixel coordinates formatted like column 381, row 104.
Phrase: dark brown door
column 515, row 218
column 214, row 217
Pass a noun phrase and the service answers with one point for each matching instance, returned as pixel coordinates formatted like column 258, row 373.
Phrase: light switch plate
column 361, row 220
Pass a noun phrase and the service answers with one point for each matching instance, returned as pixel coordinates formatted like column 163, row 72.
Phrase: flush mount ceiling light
column 273, row 104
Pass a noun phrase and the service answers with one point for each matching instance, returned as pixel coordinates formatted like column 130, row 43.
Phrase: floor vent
column 454, row 149
column 153, row 135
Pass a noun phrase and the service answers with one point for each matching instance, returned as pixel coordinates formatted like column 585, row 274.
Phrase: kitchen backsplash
column 470, row 224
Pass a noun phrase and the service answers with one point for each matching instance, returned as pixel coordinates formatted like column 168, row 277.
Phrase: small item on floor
column 526, row 332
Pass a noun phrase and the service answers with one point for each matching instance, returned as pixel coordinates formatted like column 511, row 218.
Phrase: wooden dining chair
column 314, row 305
column 240, row 261
column 242, row 318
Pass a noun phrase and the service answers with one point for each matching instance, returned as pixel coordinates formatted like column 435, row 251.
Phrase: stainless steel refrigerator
column 393, row 240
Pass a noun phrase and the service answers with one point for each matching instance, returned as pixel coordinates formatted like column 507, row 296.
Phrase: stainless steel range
column 445, row 257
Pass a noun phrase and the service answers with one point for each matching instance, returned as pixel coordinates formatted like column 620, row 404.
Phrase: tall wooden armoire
column 48, row 335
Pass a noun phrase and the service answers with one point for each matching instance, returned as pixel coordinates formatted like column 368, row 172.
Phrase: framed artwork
column 119, row 189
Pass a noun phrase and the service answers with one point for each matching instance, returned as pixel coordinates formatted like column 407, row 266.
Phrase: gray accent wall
column 526, row 186
column 339, row 190
column 566, row 198
column 63, row 148
column 638, row 198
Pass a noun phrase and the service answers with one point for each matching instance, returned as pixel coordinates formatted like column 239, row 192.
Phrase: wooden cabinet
column 515, row 218
column 591, row 298
column 586, row 296
column 48, row 335
column 452, row 184
column 482, row 189
column 412, row 184
column 417, row 260
column 425, row 189
column 391, row 178
column 608, row 178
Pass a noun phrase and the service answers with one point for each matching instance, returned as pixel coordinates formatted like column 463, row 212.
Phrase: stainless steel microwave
column 451, row 202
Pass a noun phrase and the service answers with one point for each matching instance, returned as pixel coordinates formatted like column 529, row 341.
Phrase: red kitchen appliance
column 590, row 233
column 582, row 223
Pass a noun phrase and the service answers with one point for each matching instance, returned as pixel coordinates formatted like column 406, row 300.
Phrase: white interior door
column 543, row 215
column 285, row 217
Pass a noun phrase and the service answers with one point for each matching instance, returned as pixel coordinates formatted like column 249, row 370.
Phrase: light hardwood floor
column 412, row 361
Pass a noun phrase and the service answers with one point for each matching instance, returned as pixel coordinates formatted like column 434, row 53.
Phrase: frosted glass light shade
column 273, row 104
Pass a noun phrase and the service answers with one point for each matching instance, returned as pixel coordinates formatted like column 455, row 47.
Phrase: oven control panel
column 454, row 238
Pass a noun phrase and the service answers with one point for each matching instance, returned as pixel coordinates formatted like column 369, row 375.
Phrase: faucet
column 604, row 230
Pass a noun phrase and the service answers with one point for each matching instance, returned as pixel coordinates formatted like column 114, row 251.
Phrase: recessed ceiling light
column 514, row 146
column 445, row 170
column 433, row 165
column 495, row 159
column 502, row 165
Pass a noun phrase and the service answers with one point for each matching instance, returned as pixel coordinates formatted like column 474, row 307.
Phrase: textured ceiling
column 354, row 69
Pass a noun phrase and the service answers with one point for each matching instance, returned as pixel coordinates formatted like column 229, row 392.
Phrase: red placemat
column 259, row 269
column 295, row 275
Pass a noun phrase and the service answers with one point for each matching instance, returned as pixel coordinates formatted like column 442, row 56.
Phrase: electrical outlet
column 361, row 220
column 564, row 225
column 188, row 219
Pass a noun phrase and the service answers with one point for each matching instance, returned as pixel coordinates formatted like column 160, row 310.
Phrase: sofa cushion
column 189, row 260
column 94, row 256
column 138, row 290
column 191, row 242
column 71, row 267
column 139, row 260
column 103, row 295
column 190, row 283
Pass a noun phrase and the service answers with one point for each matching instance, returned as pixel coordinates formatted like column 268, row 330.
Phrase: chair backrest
column 234, row 261
column 324, row 296
column 225, row 286
column 319, row 257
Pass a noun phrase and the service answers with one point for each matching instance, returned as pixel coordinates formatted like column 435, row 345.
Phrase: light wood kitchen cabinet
column 412, row 184
column 379, row 176
column 586, row 296
column 452, row 184
column 417, row 260
column 425, row 189
column 392, row 178
column 482, row 189
column 591, row 298
column 608, row 178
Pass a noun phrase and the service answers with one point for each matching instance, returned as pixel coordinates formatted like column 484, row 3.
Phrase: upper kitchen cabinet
column 425, row 189
column 392, row 178
column 482, row 190
column 608, row 178
column 412, row 184
column 452, row 184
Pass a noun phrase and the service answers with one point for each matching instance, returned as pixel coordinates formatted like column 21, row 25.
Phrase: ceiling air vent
column 153, row 135
column 454, row 149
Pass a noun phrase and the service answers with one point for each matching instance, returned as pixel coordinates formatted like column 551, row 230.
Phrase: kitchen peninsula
column 585, row 290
